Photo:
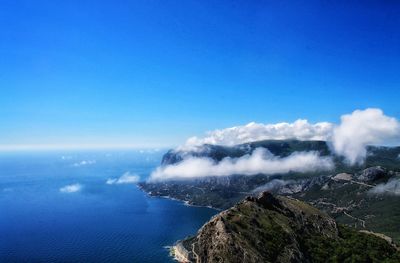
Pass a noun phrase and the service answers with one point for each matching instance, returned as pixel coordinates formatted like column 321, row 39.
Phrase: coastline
column 177, row 251
column 180, row 253
column 185, row 202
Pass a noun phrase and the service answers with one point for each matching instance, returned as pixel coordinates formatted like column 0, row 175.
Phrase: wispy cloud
column 272, row 185
column 126, row 178
column 72, row 188
column 261, row 161
column 392, row 187
column 83, row 163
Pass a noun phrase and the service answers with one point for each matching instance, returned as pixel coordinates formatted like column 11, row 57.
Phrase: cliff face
column 262, row 229
column 274, row 229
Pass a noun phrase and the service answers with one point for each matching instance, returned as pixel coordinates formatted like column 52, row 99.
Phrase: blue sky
column 152, row 73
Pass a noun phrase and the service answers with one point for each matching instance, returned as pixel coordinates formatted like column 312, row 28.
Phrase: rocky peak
column 371, row 174
column 266, row 228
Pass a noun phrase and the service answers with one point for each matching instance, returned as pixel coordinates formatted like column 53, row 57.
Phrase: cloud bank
column 349, row 138
column 392, row 187
column 300, row 129
column 72, row 188
column 362, row 128
column 126, row 178
column 260, row 161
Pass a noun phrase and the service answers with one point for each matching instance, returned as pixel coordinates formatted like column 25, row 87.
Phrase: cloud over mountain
column 349, row 138
column 361, row 128
column 392, row 187
column 260, row 161
column 300, row 129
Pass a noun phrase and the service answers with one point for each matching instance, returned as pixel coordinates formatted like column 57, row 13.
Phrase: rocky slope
column 345, row 193
column 280, row 229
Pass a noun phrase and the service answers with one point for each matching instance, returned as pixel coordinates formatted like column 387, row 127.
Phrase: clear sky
column 152, row 73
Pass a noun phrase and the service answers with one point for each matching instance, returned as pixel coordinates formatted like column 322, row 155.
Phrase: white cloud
column 362, row 128
column 272, row 185
column 349, row 138
column 300, row 129
column 126, row 178
column 392, row 187
column 72, row 188
column 260, row 161
column 84, row 162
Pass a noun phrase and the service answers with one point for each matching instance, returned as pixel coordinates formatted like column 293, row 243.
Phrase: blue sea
column 57, row 207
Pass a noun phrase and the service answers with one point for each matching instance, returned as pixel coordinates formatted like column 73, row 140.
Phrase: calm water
column 99, row 222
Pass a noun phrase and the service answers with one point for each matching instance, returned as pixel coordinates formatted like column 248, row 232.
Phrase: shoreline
column 185, row 202
column 179, row 253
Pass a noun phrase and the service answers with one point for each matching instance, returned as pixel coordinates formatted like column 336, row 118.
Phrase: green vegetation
column 351, row 246
column 280, row 229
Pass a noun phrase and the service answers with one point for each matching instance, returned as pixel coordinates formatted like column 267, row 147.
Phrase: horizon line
column 56, row 147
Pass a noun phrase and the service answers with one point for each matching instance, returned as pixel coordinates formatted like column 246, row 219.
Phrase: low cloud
column 126, row 178
column 300, row 129
column 362, row 128
column 72, row 188
column 392, row 187
column 84, row 162
column 273, row 185
column 261, row 161
column 349, row 138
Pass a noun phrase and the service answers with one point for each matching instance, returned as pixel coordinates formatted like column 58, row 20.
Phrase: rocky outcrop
column 263, row 229
column 372, row 174
column 279, row 229
column 342, row 177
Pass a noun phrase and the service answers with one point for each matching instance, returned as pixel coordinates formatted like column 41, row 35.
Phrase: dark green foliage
column 352, row 246
column 384, row 156
column 261, row 231
column 286, row 147
column 381, row 213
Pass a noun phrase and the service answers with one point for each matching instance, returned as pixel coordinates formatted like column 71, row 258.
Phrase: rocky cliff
column 280, row 229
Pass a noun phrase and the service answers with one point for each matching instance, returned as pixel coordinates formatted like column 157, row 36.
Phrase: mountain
column 376, row 155
column 281, row 229
column 280, row 148
column 224, row 191
column 345, row 193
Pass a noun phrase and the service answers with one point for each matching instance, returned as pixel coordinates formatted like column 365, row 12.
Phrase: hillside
column 348, row 201
column 281, row 229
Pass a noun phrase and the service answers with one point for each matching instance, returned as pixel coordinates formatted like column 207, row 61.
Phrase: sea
column 58, row 207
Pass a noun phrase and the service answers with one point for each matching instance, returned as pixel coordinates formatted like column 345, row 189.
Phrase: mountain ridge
column 272, row 228
column 345, row 193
